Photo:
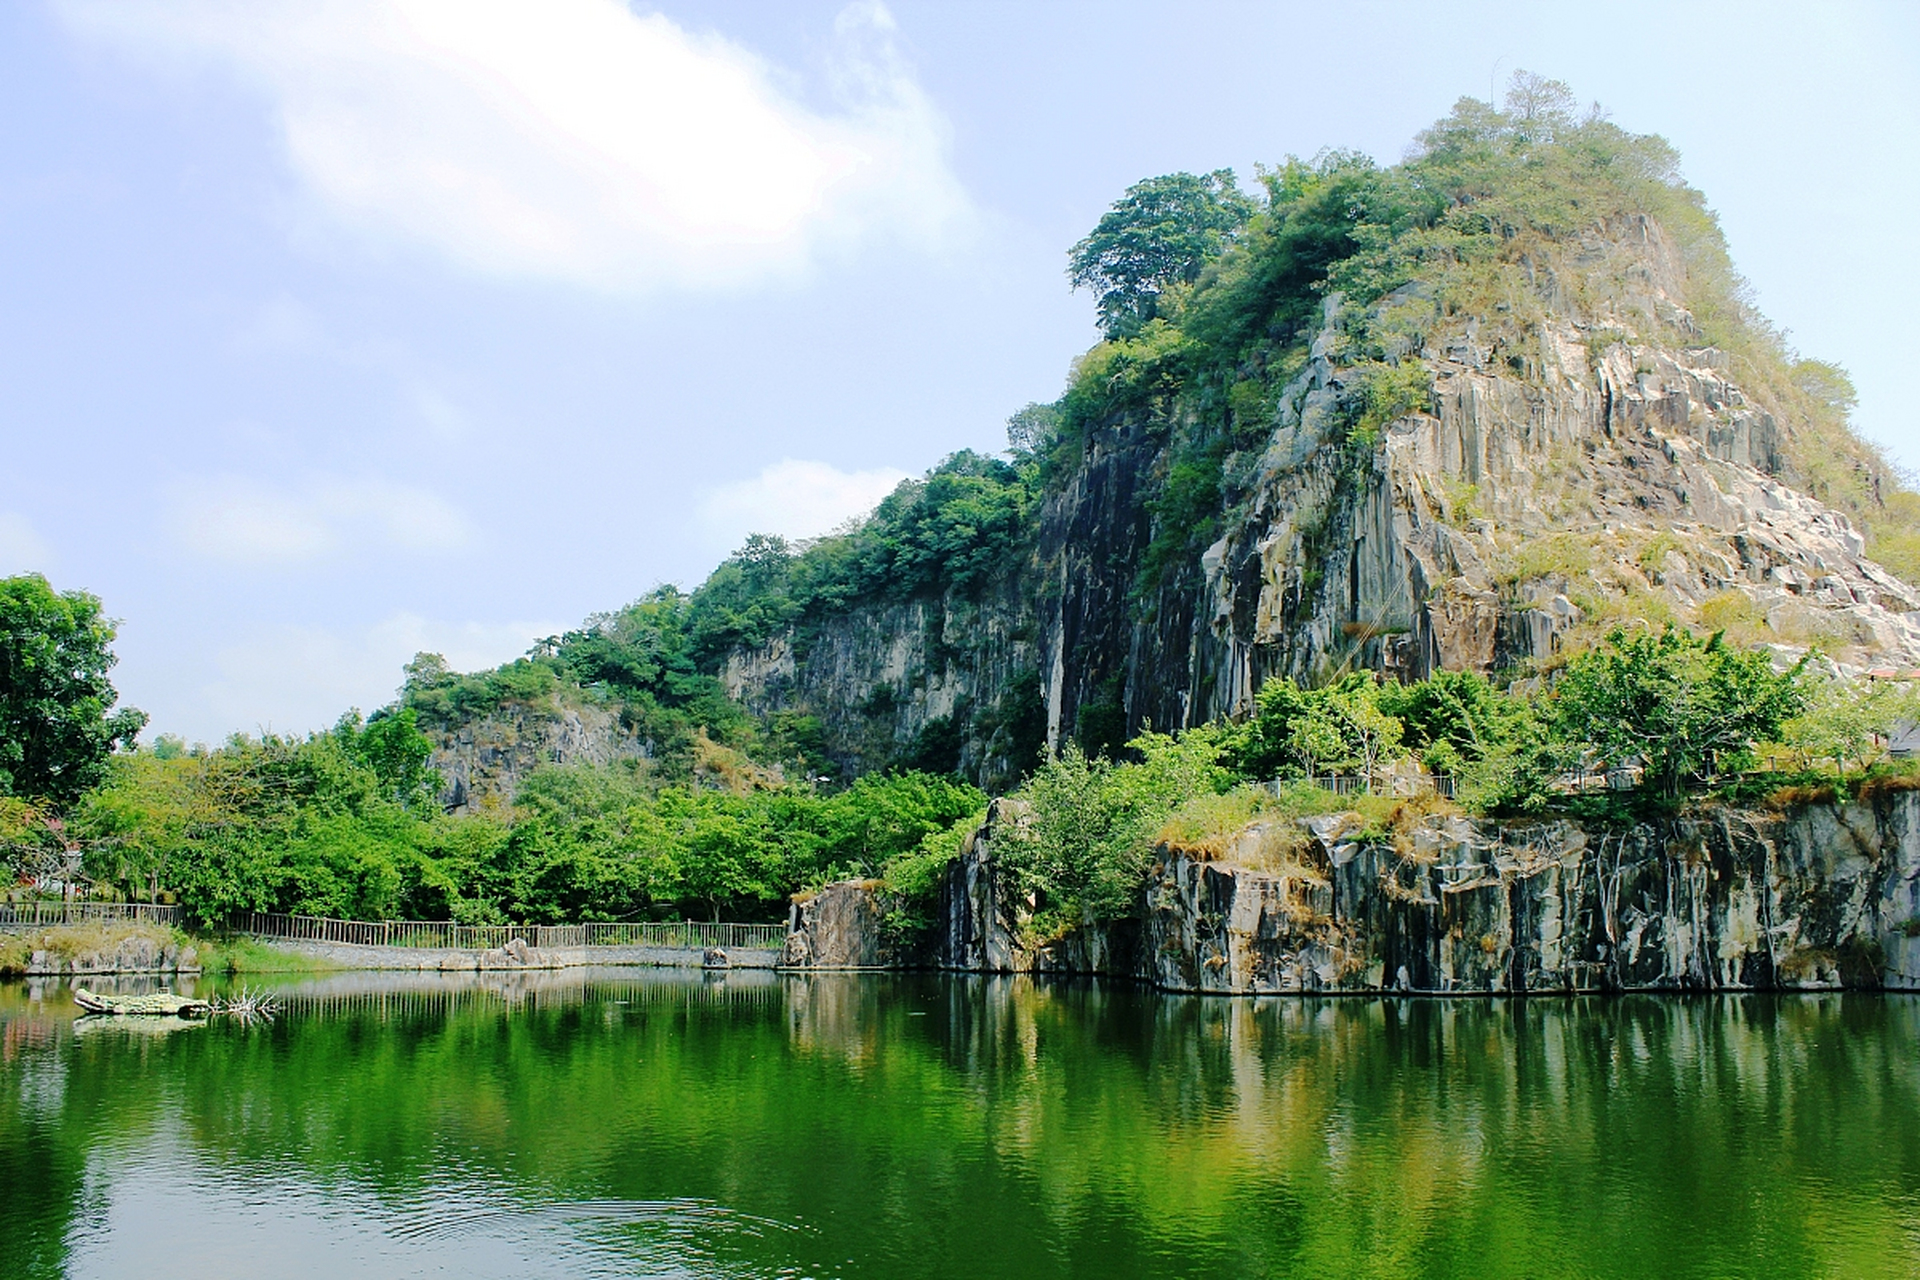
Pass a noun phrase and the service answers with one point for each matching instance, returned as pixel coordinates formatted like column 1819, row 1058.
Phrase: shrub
column 1088, row 838
column 1562, row 555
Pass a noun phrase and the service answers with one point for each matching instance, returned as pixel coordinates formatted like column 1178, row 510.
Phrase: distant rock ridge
column 482, row 762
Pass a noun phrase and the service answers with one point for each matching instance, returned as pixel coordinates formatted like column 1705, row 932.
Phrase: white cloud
column 237, row 519
column 795, row 499
column 293, row 679
column 22, row 549
column 572, row 140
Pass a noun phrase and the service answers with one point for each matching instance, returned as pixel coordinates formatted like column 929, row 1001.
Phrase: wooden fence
column 442, row 933
column 34, row 913
column 413, row 933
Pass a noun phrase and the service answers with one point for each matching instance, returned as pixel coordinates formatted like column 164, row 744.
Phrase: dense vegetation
column 346, row 823
column 1208, row 303
column 965, row 526
column 1636, row 727
column 1208, row 299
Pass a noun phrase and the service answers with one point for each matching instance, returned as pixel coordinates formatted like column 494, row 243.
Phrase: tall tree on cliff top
column 1161, row 232
column 57, row 723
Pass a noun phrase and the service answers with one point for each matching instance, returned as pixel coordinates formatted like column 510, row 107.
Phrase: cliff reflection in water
column 923, row 1125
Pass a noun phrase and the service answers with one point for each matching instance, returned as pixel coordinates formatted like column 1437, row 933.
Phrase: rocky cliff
column 1605, row 477
column 482, row 762
column 946, row 683
column 1825, row 896
column 1595, row 465
column 1468, row 412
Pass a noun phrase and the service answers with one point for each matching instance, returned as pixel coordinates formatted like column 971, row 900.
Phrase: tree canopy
column 58, row 725
column 1160, row 233
column 1685, row 708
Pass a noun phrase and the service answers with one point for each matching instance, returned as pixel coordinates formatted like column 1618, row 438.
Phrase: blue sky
column 336, row 330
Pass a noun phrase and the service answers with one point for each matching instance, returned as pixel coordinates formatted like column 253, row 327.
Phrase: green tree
column 1032, row 431
column 1455, row 719
column 1848, row 723
column 392, row 746
column 1160, row 233
column 1304, row 732
column 1687, row 709
column 1085, row 844
column 57, row 723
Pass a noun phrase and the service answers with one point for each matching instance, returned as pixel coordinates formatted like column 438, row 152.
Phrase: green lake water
column 639, row 1123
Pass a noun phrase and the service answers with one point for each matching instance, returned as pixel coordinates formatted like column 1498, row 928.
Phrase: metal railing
column 1343, row 784
column 36, row 912
column 444, row 933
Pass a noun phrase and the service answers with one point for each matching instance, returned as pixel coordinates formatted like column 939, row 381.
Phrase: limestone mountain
column 1470, row 411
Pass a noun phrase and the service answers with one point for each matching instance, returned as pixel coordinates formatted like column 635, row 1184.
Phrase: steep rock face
column 841, row 927
column 947, row 678
column 1825, row 897
column 1589, row 466
column 1596, row 477
column 482, row 762
column 980, row 918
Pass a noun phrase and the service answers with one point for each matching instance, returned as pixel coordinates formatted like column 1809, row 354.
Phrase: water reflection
column 750, row 1124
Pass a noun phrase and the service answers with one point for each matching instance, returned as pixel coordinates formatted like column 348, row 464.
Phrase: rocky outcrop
column 946, row 683
column 133, row 953
column 1586, row 464
column 1609, row 476
column 1824, row 897
column 843, row 926
column 482, row 762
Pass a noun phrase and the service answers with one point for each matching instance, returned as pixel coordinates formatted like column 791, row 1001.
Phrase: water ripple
column 674, row 1215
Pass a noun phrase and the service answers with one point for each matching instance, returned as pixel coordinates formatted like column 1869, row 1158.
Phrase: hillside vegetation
column 1501, row 228
column 1209, row 302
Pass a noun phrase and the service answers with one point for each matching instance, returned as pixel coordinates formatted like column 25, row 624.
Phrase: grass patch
column 1735, row 613
column 250, row 955
column 1653, row 556
column 1798, row 795
column 1207, row 826
column 1807, row 787
column 1219, row 827
column 1562, row 555
column 1888, row 780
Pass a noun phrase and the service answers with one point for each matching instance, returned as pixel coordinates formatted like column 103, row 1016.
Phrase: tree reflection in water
column 640, row 1122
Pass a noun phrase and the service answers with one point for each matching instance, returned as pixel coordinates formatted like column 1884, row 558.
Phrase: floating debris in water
column 249, row 1006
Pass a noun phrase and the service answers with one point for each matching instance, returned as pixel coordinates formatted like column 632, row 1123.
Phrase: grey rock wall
column 482, row 762
column 843, row 926
column 1823, row 897
column 881, row 676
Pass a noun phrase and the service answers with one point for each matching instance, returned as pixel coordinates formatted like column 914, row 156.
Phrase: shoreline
column 349, row 955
